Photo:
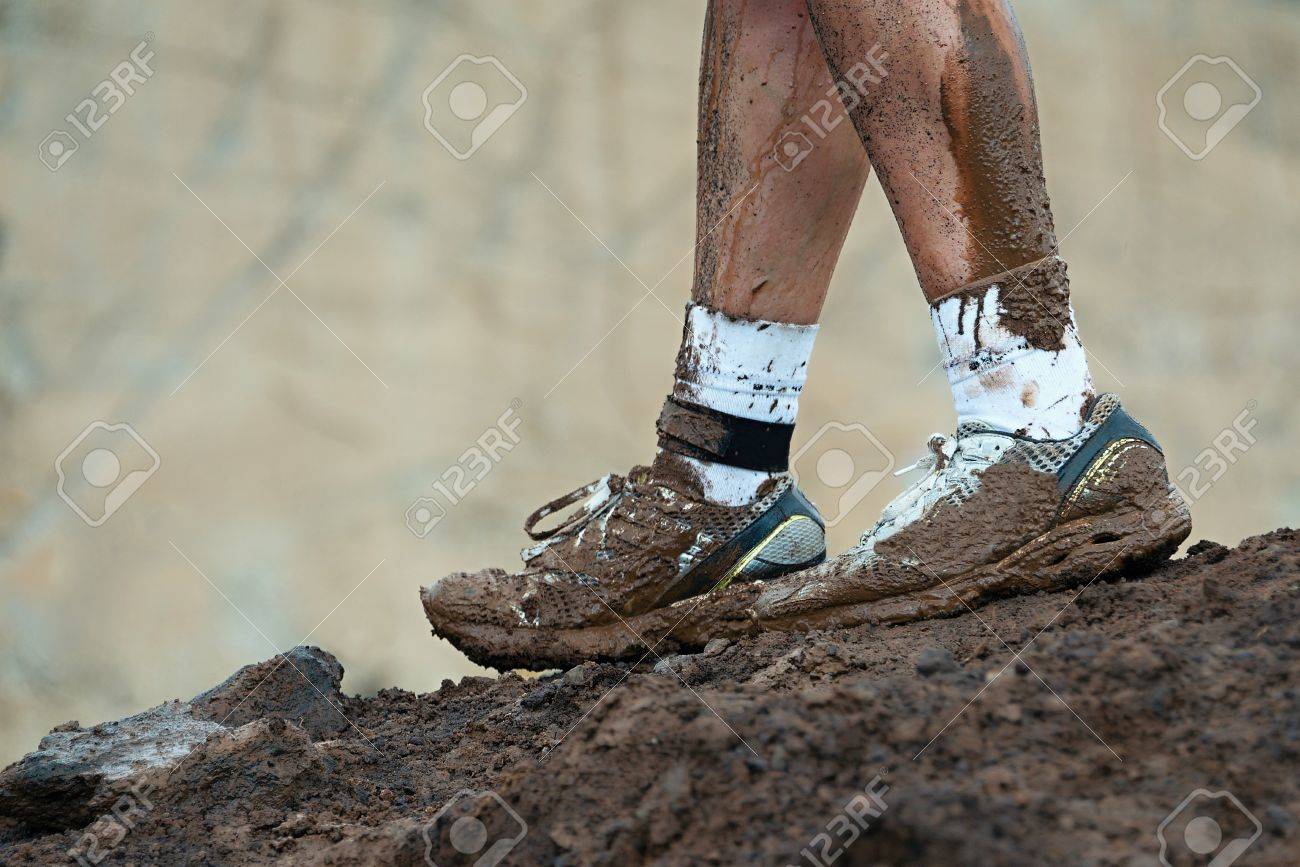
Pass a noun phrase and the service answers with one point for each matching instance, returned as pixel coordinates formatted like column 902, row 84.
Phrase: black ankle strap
column 708, row 435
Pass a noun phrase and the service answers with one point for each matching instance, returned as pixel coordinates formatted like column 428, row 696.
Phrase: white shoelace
column 942, row 449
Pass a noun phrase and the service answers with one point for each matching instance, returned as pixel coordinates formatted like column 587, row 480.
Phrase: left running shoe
column 625, row 568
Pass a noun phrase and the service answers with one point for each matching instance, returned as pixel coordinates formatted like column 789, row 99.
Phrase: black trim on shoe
column 710, row 571
column 1119, row 425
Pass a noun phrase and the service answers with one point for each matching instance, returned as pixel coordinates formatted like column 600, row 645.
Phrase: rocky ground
column 1062, row 727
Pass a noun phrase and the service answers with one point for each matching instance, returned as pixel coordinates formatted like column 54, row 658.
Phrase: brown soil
column 1189, row 677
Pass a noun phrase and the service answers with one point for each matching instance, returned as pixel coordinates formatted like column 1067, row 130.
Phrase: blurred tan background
column 294, row 432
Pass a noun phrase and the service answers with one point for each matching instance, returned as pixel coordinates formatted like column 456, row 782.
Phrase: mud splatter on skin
column 715, row 163
column 952, row 132
column 988, row 108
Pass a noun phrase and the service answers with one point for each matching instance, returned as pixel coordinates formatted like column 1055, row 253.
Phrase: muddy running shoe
column 634, row 557
column 995, row 514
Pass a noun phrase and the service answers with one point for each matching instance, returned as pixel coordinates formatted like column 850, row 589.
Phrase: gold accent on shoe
column 756, row 550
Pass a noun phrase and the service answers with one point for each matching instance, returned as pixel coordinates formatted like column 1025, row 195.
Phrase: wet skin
column 952, row 131
column 768, row 238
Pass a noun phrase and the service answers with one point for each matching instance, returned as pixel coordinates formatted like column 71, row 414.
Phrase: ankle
column 726, row 427
column 1012, row 352
column 712, row 482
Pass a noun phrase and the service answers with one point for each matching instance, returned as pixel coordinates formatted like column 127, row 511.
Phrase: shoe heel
column 1121, row 513
column 1129, row 474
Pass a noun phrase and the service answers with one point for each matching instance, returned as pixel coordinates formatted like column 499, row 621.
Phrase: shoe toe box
column 527, row 600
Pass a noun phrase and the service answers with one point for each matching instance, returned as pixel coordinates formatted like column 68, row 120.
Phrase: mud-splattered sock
column 721, row 483
column 734, row 401
column 748, row 368
column 1012, row 352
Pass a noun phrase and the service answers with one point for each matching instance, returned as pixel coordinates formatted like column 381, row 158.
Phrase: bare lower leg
column 952, row 131
column 768, row 238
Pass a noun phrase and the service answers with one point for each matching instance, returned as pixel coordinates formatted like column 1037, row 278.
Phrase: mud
column 702, row 432
column 1129, row 470
column 709, row 435
column 952, row 131
column 1185, row 678
column 1033, row 301
column 988, row 108
column 761, row 224
column 956, row 539
column 639, row 544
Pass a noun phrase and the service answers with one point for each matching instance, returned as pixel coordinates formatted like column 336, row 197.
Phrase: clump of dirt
column 1067, row 727
column 1033, row 302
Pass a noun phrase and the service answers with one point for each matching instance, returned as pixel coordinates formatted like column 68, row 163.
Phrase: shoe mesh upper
column 723, row 522
column 1048, row 456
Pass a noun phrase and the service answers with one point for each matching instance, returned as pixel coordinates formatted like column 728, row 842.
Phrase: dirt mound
column 1079, row 740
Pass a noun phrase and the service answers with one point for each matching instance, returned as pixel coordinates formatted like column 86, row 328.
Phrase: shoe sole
column 690, row 623
column 1078, row 552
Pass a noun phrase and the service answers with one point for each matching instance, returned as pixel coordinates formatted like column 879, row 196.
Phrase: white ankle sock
column 998, row 376
column 748, row 368
column 724, row 484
